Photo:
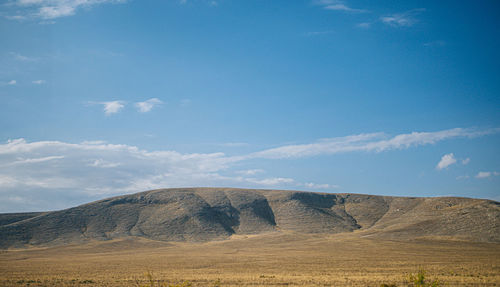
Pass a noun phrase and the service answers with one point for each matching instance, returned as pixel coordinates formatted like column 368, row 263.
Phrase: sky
column 107, row 97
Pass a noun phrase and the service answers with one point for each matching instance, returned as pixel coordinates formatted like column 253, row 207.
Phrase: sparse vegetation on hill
column 205, row 214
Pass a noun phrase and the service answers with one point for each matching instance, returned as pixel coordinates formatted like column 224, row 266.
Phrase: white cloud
column 337, row 5
column 343, row 7
column 449, row 159
column 38, row 82
column 486, row 174
column 446, row 161
column 271, row 181
column 250, row 171
column 148, row 105
column 371, row 142
column 22, row 58
column 112, row 107
column 320, row 186
column 47, row 170
column 36, row 160
column 16, row 17
column 405, row 19
column 9, row 83
column 52, row 9
column 95, row 169
column 103, row 164
column 125, row 166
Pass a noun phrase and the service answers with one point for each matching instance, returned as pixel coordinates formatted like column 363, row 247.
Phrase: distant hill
column 204, row 214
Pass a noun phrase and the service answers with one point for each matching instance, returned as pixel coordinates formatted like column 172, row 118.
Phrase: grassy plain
column 273, row 259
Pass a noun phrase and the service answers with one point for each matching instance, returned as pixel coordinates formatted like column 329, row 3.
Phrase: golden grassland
column 273, row 259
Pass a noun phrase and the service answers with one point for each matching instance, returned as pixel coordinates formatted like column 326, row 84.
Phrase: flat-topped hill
column 204, row 214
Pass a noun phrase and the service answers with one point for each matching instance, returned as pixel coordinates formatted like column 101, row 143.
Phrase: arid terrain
column 234, row 237
column 273, row 259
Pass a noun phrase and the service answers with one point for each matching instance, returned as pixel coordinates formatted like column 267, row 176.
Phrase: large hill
column 204, row 214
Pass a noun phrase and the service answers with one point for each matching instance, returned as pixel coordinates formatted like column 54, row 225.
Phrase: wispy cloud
column 38, row 82
column 405, row 19
column 22, row 58
column 93, row 169
column 33, row 160
column 371, row 142
column 112, row 107
column 323, row 186
column 211, row 3
column 9, row 83
column 103, row 164
column 16, row 17
column 52, row 9
column 273, row 181
column 250, row 171
column 148, row 105
column 337, row 5
column 364, row 25
column 446, row 161
column 486, row 174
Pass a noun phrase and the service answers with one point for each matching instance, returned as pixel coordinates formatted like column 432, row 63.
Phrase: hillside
column 205, row 214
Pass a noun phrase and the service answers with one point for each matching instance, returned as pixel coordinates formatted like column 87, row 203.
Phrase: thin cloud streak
column 371, row 142
column 405, row 19
column 337, row 5
column 9, row 83
column 487, row 174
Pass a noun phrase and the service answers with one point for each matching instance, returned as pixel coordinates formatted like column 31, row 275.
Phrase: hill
column 206, row 214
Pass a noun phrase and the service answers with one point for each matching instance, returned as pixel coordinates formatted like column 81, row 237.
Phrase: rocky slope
column 204, row 214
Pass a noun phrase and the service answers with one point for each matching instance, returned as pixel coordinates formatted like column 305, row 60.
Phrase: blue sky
column 106, row 97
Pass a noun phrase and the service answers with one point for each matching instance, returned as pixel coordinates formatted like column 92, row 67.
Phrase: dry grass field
column 272, row 259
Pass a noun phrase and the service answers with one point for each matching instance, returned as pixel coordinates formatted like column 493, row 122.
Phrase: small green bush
column 419, row 280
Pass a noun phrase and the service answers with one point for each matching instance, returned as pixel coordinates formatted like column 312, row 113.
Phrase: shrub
column 419, row 280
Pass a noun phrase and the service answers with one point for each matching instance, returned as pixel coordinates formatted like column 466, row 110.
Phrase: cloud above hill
column 32, row 170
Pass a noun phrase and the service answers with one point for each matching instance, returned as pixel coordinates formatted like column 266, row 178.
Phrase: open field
column 272, row 259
